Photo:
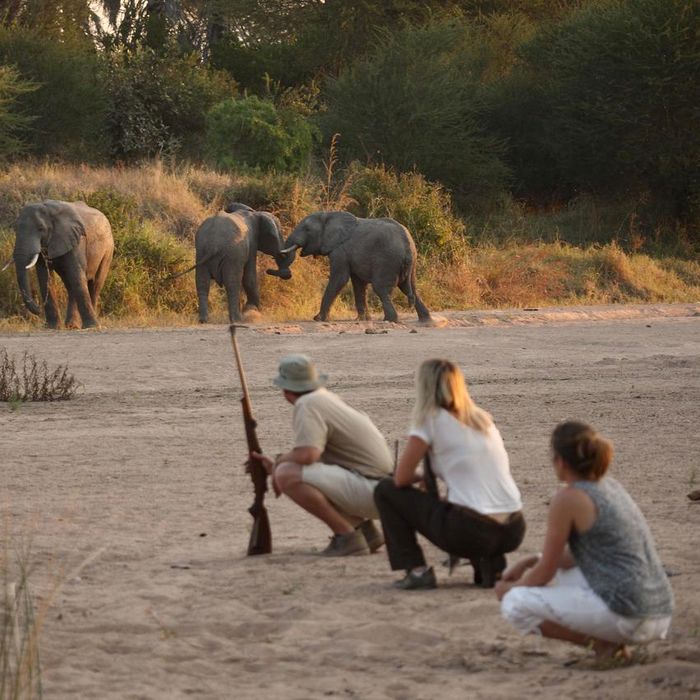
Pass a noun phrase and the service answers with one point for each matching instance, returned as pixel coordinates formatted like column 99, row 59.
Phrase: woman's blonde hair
column 441, row 384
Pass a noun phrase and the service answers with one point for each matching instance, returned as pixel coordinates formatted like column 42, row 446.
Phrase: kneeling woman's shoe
column 414, row 582
column 488, row 570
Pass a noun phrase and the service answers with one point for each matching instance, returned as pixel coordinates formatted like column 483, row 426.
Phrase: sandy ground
column 135, row 500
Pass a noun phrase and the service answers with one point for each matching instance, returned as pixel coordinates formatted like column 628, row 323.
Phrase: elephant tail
column 204, row 260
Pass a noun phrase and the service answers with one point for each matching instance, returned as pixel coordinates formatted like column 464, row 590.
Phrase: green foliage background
column 474, row 122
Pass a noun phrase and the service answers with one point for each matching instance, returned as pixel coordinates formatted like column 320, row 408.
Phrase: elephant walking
column 75, row 241
column 226, row 248
column 380, row 252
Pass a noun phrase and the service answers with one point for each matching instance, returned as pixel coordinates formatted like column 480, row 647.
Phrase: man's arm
column 300, row 455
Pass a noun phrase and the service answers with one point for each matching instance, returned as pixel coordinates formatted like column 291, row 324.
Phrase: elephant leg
column 250, row 286
column 73, row 277
column 232, row 283
column 359, row 289
column 48, row 299
column 95, row 286
column 338, row 279
column 72, row 315
column 384, row 294
column 203, row 283
column 408, row 288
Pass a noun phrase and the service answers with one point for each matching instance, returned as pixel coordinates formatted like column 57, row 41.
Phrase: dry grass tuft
column 31, row 380
column 20, row 627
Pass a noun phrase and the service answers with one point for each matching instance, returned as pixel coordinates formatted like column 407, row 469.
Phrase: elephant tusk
column 32, row 262
column 291, row 248
column 7, row 264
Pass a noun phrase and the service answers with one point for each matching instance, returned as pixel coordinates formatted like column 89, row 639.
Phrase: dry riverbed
column 134, row 498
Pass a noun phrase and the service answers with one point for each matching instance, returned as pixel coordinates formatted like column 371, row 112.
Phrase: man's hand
column 269, row 466
column 266, row 461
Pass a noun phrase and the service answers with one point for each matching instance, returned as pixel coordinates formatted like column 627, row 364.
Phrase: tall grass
column 588, row 253
column 20, row 627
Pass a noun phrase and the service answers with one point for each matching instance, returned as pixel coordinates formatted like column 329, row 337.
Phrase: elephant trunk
column 21, row 265
column 284, row 262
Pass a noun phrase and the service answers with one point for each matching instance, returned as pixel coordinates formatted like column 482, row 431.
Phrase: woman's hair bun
column 587, row 453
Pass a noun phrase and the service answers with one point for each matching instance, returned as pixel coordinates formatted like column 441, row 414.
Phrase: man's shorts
column 350, row 492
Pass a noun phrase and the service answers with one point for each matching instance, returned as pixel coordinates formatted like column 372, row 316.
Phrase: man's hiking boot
column 488, row 570
column 415, row 582
column 347, row 545
column 374, row 536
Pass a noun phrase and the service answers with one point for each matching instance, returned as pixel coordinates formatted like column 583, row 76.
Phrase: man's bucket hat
column 297, row 373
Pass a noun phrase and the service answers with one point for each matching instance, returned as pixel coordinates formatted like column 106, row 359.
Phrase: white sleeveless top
column 474, row 465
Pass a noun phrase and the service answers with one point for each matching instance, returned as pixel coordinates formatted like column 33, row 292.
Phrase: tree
column 620, row 81
column 416, row 102
column 13, row 123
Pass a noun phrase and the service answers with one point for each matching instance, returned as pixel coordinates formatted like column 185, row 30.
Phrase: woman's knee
column 516, row 609
column 384, row 490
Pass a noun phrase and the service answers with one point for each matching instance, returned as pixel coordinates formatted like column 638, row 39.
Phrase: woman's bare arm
column 413, row 453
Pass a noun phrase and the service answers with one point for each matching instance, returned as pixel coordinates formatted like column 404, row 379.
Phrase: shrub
column 70, row 102
column 138, row 283
column 415, row 102
column 253, row 132
column 32, row 380
column 9, row 294
column 159, row 102
column 424, row 208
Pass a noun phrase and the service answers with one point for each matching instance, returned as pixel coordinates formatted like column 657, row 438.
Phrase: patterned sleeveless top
column 617, row 555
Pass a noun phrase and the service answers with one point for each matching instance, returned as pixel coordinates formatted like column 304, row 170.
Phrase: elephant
column 72, row 239
column 226, row 247
column 380, row 252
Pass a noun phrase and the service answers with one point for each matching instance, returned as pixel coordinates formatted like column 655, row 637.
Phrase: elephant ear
column 270, row 239
column 68, row 227
column 337, row 228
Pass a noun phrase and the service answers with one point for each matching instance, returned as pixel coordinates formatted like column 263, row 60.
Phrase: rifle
column 260, row 536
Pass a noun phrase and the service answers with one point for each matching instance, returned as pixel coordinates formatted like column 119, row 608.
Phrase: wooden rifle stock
column 260, row 536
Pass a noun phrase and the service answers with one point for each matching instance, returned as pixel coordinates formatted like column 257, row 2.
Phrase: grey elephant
column 75, row 241
column 226, row 246
column 380, row 252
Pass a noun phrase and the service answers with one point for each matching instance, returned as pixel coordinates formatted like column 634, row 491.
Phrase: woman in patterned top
column 599, row 580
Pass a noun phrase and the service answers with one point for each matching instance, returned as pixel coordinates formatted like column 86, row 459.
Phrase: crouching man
column 338, row 458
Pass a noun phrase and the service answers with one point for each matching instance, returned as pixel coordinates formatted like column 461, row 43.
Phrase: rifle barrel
column 241, row 372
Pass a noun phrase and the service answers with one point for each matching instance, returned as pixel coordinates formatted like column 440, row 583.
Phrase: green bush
column 424, row 208
column 11, row 303
column 120, row 209
column 137, row 285
column 416, row 102
column 159, row 102
column 253, row 132
column 69, row 105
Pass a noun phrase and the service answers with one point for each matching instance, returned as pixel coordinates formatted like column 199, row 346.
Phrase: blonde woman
column 481, row 518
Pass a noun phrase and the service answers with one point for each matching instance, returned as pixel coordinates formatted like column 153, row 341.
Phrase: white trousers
column 570, row 602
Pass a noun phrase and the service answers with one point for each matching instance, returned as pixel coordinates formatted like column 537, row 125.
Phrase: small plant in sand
column 20, row 667
column 29, row 379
